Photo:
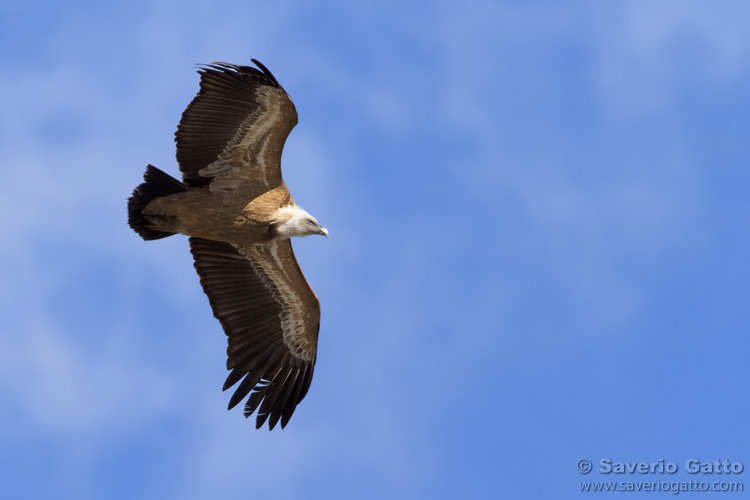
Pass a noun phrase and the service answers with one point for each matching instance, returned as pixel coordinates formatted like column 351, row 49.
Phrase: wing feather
column 288, row 410
column 279, row 399
column 243, row 389
column 273, row 391
column 291, row 388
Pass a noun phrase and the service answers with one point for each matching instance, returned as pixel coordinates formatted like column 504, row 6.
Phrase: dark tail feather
column 157, row 184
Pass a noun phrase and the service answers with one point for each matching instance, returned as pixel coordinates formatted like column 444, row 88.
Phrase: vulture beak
column 323, row 231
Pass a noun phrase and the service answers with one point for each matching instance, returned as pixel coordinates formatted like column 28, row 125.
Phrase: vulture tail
column 156, row 185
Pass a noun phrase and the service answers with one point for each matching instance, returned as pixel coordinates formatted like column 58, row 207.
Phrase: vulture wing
column 271, row 317
column 232, row 134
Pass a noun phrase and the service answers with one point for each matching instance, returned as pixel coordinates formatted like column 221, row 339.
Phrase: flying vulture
column 240, row 216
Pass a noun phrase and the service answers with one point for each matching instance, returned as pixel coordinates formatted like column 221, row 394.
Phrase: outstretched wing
column 233, row 132
column 271, row 317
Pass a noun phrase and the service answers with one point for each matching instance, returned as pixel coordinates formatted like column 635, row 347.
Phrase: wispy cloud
column 649, row 56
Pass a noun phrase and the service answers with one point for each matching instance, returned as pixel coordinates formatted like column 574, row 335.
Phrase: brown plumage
column 240, row 216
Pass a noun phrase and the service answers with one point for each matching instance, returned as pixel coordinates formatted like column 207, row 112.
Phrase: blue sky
column 538, row 247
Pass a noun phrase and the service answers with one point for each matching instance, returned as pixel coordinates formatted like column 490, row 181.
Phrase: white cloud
column 72, row 390
column 610, row 207
column 649, row 53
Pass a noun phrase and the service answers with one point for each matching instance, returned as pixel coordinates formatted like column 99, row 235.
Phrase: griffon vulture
column 239, row 215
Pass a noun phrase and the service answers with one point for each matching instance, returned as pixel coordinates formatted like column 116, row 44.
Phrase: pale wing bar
column 251, row 309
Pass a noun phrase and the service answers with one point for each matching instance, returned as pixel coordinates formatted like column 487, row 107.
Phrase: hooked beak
column 323, row 231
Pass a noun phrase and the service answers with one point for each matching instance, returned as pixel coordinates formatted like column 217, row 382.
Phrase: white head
column 299, row 224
